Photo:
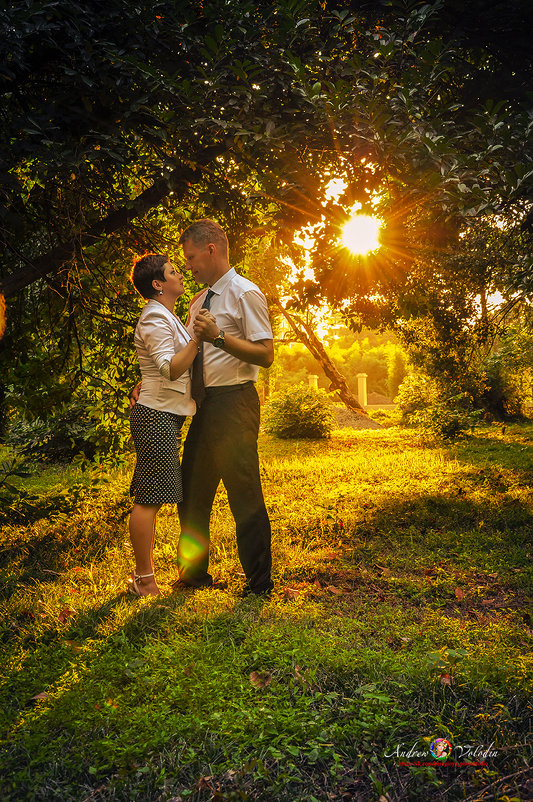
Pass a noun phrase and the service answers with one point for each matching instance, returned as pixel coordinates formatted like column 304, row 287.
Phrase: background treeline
column 379, row 355
column 121, row 124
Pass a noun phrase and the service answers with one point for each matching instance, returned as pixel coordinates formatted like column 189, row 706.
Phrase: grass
column 402, row 612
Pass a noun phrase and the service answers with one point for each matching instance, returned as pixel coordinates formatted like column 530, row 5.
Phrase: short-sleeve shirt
column 240, row 309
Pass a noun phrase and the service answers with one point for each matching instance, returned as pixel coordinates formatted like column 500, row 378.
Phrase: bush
column 77, row 427
column 300, row 412
column 508, row 387
column 449, row 418
column 415, row 393
column 58, row 438
column 397, row 371
column 446, row 416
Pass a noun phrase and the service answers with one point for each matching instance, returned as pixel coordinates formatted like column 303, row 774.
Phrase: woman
column 166, row 352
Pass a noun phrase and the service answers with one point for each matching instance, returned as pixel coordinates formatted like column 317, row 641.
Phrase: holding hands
column 205, row 326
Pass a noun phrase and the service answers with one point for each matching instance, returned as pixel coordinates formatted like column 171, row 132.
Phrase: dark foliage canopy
column 121, row 122
column 108, row 109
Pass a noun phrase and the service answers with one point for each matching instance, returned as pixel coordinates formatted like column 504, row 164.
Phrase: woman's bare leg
column 142, row 534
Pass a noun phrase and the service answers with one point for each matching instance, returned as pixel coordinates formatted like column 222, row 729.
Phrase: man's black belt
column 227, row 388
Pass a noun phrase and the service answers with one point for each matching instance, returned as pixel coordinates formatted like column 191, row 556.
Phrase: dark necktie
column 197, row 379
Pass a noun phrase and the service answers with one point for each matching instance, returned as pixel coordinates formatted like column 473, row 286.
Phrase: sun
column 361, row 234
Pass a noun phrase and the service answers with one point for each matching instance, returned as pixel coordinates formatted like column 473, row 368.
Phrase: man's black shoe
column 264, row 593
column 181, row 584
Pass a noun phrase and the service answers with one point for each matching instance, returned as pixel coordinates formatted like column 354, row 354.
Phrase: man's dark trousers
column 222, row 444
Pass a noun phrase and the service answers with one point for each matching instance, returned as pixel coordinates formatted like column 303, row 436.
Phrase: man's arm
column 259, row 353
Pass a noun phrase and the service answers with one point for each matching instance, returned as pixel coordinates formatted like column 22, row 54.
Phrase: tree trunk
column 307, row 336
column 178, row 181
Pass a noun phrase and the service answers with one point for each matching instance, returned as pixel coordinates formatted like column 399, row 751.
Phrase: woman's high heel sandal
column 133, row 580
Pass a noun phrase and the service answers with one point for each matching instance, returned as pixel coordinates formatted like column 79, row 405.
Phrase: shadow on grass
column 61, row 763
column 453, row 528
column 483, row 538
column 496, row 452
column 42, row 552
column 55, row 649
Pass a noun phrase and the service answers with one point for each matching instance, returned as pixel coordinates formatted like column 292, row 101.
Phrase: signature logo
column 440, row 748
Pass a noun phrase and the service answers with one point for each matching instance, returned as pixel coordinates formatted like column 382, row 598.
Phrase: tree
column 118, row 118
column 306, row 335
column 106, row 102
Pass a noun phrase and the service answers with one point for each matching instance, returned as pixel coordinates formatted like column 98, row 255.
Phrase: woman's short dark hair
column 145, row 270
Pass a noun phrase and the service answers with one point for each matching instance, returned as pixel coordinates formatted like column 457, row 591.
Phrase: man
column 222, row 439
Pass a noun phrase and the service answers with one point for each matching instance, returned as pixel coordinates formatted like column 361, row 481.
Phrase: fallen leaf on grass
column 486, row 601
column 291, row 593
column 333, row 589
column 302, row 675
column 260, row 679
column 65, row 614
column 76, row 647
column 445, row 679
column 203, row 783
column 459, row 594
column 42, row 695
column 318, row 583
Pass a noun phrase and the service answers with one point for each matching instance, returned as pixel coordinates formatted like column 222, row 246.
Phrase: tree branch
column 177, row 181
column 307, row 336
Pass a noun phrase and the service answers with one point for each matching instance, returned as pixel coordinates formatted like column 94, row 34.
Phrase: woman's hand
column 205, row 326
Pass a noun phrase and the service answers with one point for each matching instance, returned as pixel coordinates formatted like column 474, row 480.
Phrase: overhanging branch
column 177, row 181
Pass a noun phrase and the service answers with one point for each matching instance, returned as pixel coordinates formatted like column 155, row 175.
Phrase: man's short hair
column 145, row 270
column 202, row 232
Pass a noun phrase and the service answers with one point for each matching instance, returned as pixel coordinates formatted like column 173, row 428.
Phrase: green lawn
column 402, row 613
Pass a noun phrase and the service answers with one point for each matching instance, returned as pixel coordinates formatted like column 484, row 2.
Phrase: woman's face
column 173, row 280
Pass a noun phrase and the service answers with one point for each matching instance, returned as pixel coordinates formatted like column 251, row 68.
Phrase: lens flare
column 193, row 547
column 361, row 234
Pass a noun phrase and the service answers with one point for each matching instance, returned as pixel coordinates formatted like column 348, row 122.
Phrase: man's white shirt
column 240, row 309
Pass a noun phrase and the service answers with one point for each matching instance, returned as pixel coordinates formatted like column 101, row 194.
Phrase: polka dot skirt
column 157, row 475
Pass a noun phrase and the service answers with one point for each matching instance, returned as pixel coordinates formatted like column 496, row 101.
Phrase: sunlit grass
column 388, row 553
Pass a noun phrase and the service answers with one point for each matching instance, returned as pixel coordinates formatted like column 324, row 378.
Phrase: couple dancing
column 228, row 336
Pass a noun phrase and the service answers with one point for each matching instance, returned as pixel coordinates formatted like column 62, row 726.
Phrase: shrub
column 416, row 392
column 58, row 438
column 508, row 386
column 449, row 418
column 78, row 427
column 300, row 412
column 446, row 415
column 397, row 371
